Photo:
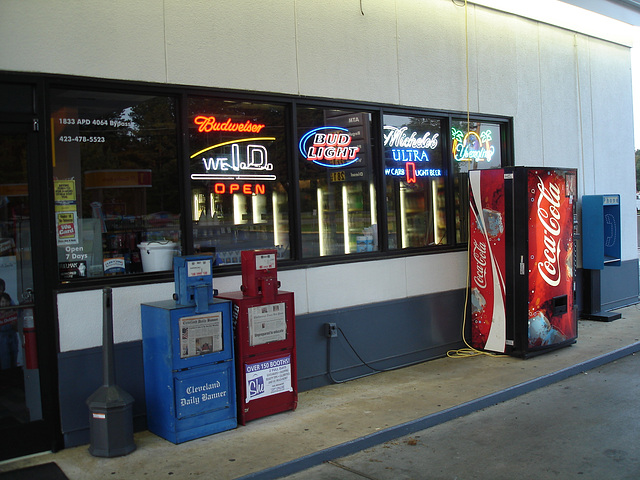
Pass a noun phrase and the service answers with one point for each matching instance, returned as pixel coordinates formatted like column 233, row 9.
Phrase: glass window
column 239, row 177
column 415, row 181
column 474, row 146
column 337, row 182
column 115, row 189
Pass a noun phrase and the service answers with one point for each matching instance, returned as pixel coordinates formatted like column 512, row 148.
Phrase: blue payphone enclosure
column 189, row 362
column 601, row 237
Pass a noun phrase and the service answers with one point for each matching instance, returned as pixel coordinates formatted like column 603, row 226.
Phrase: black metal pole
column 108, row 359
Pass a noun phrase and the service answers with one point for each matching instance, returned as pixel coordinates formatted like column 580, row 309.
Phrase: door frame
column 45, row 434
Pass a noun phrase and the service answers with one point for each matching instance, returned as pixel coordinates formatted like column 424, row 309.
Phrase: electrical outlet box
column 330, row 330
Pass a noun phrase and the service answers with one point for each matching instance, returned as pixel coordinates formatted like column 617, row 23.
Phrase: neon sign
column 412, row 173
column 245, row 188
column 223, row 167
column 472, row 147
column 397, row 137
column 411, row 150
column 209, row 124
column 331, row 150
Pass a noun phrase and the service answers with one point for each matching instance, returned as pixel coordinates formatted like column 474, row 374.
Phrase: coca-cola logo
column 548, row 213
column 480, row 257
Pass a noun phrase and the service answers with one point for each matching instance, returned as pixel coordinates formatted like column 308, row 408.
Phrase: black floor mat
column 46, row 471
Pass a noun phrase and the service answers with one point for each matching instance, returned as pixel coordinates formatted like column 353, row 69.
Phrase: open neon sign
column 329, row 147
column 245, row 188
column 472, row 147
column 411, row 150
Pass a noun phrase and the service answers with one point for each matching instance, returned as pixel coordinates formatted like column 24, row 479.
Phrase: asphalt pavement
column 585, row 427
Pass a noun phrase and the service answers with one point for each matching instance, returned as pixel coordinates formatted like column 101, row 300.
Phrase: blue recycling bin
column 188, row 356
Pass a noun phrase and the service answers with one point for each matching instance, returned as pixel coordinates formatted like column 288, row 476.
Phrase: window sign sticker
column 267, row 323
column 200, row 334
column 268, row 378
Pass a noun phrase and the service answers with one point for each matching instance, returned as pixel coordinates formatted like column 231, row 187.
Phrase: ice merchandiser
column 188, row 354
column 521, row 258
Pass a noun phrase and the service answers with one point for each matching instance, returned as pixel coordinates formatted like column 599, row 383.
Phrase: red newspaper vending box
column 265, row 339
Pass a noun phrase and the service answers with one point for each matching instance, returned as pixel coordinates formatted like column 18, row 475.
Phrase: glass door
column 23, row 429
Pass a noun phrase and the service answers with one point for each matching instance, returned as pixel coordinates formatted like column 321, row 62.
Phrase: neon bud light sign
column 472, row 147
column 329, row 146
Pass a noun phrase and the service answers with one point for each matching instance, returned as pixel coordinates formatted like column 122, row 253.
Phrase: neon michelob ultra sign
column 411, row 151
column 472, row 147
column 329, row 146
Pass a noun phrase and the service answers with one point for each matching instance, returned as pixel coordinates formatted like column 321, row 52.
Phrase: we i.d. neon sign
column 238, row 160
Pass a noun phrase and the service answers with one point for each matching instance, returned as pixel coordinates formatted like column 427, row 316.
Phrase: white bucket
column 157, row 256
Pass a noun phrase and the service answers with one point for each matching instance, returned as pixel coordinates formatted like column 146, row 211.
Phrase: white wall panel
column 122, row 39
column 614, row 165
column 315, row 289
column 296, row 281
column 345, row 285
column 80, row 314
column 431, row 57
column 242, row 44
column 586, row 171
column 80, row 320
column 558, row 81
column 496, row 60
column 436, row 273
column 527, row 123
column 344, row 54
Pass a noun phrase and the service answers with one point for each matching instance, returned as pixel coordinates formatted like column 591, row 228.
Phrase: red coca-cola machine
column 265, row 339
column 522, row 222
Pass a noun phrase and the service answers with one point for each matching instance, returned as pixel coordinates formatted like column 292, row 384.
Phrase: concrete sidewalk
column 339, row 420
column 583, row 427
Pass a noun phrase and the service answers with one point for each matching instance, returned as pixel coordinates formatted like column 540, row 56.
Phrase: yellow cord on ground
column 469, row 351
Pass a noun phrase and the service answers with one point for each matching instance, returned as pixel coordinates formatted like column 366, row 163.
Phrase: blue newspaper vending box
column 188, row 355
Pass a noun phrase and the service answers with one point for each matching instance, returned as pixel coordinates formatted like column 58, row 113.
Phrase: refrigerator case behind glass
column 521, row 259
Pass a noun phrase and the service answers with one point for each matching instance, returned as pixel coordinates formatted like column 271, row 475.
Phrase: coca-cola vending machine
column 522, row 222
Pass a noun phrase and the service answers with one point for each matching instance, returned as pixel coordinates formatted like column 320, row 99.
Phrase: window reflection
column 239, row 178
column 115, row 170
column 337, row 182
column 474, row 146
column 414, row 177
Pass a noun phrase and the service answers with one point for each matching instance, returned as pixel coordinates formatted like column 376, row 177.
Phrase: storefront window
column 414, row 172
column 115, row 170
column 474, row 146
column 337, row 182
column 239, row 177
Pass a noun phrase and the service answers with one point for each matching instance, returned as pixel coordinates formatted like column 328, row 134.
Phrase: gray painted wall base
column 619, row 285
column 384, row 335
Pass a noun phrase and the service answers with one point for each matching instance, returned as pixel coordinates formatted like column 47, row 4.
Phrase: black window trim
column 290, row 102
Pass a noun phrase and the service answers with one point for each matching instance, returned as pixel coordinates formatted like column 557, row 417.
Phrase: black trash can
column 110, row 407
column 111, row 422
